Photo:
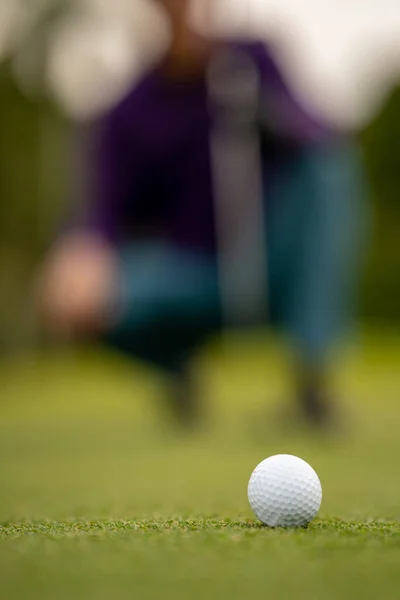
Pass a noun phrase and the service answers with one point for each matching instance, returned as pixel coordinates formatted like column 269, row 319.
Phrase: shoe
column 182, row 403
column 317, row 411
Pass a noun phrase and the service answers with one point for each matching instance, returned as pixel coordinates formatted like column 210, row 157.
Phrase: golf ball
column 284, row 491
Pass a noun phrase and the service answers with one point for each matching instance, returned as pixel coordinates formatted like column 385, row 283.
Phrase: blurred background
column 64, row 62
column 78, row 439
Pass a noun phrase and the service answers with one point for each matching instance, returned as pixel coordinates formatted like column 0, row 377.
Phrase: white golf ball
column 284, row 491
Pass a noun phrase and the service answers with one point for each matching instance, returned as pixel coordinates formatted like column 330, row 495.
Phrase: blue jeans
column 315, row 224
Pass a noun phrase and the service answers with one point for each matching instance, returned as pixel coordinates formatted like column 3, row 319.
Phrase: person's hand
column 75, row 284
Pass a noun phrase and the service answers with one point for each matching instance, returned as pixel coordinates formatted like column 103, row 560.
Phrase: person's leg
column 317, row 239
column 167, row 304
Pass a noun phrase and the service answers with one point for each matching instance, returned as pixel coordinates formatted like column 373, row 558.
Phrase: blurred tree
column 32, row 184
column 381, row 143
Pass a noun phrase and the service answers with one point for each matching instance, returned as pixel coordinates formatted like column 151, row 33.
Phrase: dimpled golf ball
column 284, row 491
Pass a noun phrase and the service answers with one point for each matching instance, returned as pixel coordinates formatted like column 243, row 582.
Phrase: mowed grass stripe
column 215, row 526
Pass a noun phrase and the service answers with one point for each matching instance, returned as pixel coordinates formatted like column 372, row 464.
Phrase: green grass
column 97, row 500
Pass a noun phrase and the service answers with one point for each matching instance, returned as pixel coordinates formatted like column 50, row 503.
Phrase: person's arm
column 79, row 273
column 111, row 177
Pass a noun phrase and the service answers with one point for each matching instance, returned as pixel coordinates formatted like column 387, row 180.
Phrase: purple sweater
column 150, row 162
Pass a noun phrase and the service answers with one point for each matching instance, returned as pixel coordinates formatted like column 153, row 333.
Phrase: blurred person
column 139, row 271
